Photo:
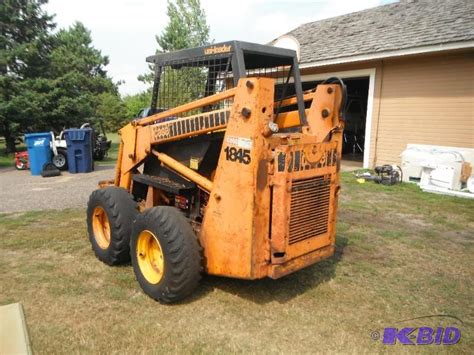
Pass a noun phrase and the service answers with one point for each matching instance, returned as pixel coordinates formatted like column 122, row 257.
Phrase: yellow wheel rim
column 101, row 227
column 150, row 257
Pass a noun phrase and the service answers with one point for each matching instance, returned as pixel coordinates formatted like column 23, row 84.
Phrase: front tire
column 166, row 255
column 110, row 214
column 60, row 160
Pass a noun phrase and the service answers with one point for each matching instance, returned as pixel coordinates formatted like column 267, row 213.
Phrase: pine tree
column 25, row 46
column 79, row 80
column 48, row 80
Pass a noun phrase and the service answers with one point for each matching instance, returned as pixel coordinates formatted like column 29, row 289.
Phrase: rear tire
column 60, row 160
column 166, row 255
column 110, row 214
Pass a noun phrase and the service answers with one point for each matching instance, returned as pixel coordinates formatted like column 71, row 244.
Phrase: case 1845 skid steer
column 235, row 173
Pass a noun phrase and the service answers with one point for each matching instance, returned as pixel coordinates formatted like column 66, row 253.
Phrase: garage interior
column 356, row 115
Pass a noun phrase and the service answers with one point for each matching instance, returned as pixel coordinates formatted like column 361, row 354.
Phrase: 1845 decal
column 239, row 155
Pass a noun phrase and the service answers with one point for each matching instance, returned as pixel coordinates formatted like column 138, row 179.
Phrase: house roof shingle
column 403, row 25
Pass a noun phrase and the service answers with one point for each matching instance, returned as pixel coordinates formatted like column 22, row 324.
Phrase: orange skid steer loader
column 235, row 172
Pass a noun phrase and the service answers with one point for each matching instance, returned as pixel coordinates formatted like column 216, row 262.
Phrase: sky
column 125, row 30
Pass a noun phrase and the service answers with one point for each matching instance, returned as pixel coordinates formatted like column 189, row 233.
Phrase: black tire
column 121, row 210
column 99, row 155
column 60, row 160
column 180, row 249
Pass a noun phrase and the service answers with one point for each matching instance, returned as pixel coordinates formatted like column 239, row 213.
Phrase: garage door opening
column 353, row 146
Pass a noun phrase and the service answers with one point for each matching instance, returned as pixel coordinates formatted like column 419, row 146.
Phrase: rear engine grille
column 309, row 214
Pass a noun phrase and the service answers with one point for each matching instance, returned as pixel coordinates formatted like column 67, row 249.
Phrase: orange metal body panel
column 239, row 205
column 272, row 212
column 279, row 270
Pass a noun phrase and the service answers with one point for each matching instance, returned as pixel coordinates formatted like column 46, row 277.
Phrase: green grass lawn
column 7, row 160
column 401, row 254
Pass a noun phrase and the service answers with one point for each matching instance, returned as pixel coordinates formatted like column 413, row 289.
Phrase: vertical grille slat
column 309, row 213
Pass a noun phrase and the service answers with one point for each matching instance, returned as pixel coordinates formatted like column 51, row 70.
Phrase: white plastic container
column 417, row 156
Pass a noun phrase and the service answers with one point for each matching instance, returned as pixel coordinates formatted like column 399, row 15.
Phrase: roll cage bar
column 243, row 59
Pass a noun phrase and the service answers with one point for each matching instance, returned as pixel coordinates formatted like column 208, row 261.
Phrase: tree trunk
column 9, row 140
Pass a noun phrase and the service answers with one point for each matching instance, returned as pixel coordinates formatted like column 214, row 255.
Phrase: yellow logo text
column 217, row 50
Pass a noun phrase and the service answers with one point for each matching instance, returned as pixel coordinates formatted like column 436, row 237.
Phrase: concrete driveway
column 20, row 191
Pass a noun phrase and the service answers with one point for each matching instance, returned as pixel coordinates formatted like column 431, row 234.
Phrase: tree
column 25, row 46
column 134, row 103
column 79, row 79
column 187, row 28
column 112, row 110
column 48, row 80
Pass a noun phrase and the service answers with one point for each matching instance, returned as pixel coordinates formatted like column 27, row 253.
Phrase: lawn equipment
column 237, row 176
column 101, row 144
column 21, row 161
column 59, row 160
column 384, row 174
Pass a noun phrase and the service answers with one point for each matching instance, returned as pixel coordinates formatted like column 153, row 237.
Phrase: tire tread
column 182, row 252
column 121, row 210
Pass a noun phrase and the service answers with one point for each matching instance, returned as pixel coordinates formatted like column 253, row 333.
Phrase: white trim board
column 370, row 99
column 390, row 54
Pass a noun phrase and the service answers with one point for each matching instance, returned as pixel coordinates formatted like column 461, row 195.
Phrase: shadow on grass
column 280, row 290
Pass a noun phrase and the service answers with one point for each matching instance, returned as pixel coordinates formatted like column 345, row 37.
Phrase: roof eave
column 390, row 54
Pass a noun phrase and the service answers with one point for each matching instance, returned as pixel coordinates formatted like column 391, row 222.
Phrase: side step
column 165, row 184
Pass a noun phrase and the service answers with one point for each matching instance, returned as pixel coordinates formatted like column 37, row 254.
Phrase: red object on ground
column 21, row 161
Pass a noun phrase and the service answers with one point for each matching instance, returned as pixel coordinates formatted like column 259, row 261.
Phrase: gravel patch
column 20, row 191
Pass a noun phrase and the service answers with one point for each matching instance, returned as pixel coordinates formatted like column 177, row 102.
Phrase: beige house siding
column 424, row 100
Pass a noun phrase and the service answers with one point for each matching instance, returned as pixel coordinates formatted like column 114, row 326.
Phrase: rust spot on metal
column 246, row 112
column 325, row 113
column 262, row 175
